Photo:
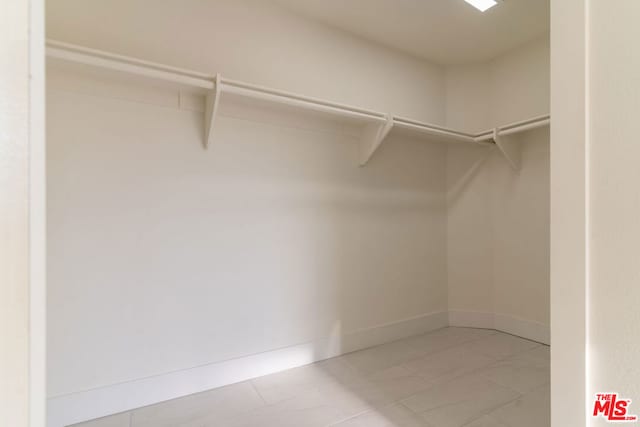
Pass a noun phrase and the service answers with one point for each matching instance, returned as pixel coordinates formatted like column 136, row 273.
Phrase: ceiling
column 442, row 31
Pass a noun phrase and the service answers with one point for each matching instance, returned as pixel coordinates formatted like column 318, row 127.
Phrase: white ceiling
column 442, row 31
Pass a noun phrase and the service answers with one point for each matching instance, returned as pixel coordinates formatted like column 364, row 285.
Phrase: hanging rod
column 516, row 127
column 525, row 125
column 500, row 137
column 127, row 64
column 430, row 129
column 295, row 100
column 484, row 136
column 215, row 87
column 377, row 124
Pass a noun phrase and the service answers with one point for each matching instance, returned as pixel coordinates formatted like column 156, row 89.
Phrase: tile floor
column 452, row 377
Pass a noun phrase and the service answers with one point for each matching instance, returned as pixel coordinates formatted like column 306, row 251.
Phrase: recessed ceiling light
column 482, row 5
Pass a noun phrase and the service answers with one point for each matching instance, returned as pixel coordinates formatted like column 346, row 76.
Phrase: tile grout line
column 482, row 414
column 474, row 371
column 400, row 401
column 335, row 423
column 434, row 383
column 486, row 412
column 253, row 386
column 424, row 355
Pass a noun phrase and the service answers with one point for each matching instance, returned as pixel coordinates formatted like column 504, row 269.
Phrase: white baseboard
column 528, row 329
column 471, row 319
column 82, row 406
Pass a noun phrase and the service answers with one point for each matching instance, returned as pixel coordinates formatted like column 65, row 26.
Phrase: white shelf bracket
column 372, row 137
column 509, row 148
column 211, row 110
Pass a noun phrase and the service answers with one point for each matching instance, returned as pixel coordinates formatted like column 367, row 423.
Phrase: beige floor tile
column 486, row 421
column 383, row 356
column 518, row 373
column 501, row 345
column 317, row 400
column 379, row 388
column 540, row 355
column 388, row 385
column 459, row 401
column 317, row 416
column 449, row 364
column 446, row 338
column 389, row 416
column 285, row 385
column 119, row 420
column 313, row 407
column 222, row 402
column 531, row 410
column 445, row 378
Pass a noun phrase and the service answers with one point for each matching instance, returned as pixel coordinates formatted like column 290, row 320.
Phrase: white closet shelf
column 375, row 126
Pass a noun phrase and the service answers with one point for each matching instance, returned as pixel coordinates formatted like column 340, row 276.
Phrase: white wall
column 512, row 87
column 520, row 214
column 498, row 220
column 164, row 257
column 613, row 204
column 520, row 84
column 162, row 266
column 469, row 233
column 255, row 41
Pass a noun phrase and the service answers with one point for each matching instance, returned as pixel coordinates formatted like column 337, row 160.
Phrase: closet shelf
column 374, row 125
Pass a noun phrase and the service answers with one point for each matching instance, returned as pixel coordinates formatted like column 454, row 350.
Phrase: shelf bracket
column 211, row 110
column 372, row 137
column 509, row 148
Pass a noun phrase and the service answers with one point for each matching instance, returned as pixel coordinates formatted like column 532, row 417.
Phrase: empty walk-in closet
column 298, row 213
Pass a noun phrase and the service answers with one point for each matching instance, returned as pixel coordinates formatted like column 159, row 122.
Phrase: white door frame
column 569, row 213
column 23, row 197
column 22, row 214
